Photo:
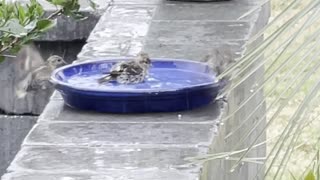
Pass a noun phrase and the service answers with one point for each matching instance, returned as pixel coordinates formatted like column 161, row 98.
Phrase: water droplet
column 67, row 178
column 232, row 170
column 242, row 163
column 251, row 90
column 227, row 158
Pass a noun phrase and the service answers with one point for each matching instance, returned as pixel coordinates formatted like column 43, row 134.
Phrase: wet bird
column 219, row 60
column 129, row 72
column 38, row 77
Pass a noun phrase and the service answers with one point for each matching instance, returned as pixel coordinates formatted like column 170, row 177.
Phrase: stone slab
column 100, row 134
column 130, row 11
column 110, row 48
column 151, row 174
column 133, row 29
column 56, row 95
column 155, row 2
column 123, row 22
column 189, row 51
column 173, row 10
column 180, row 32
column 100, row 160
column 57, row 111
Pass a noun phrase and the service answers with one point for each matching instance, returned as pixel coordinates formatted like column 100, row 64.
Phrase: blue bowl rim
column 56, row 81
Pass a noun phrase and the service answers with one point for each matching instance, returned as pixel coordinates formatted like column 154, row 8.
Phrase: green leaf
column 14, row 27
column 29, row 27
column 19, row 12
column 33, row 2
column 39, row 11
column 310, row 176
column 15, row 49
column 59, row 2
column 35, row 11
column 45, row 24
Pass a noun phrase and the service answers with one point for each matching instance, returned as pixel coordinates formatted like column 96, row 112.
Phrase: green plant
column 20, row 24
column 312, row 172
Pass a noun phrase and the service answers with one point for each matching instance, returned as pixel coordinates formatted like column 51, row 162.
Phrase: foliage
column 20, row 24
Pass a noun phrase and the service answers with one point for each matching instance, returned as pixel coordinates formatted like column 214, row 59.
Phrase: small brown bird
column 219, row 60
column 38, row 77
column 129, row 72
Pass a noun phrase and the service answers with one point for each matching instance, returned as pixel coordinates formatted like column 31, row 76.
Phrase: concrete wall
column 13, row 130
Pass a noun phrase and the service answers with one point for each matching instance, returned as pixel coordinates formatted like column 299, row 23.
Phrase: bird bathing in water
column 129, row 72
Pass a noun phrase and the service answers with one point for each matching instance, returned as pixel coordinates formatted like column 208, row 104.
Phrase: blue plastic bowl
column 172, row 85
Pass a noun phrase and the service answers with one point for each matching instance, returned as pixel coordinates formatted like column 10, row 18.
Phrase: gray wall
column 13, row 130
column 66, row 49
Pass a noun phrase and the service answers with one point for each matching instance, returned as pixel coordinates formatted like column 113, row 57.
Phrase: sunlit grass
column 291, row 84
column 307, row 144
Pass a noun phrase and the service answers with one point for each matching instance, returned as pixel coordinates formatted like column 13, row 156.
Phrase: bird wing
column 27, row 60
column 118, row 66
column 40, row 78
column 134, row 69
column 130, row 67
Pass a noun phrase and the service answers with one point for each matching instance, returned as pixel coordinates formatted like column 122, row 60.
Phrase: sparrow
column 38, row 77
column 219, row 60
column 129, row 72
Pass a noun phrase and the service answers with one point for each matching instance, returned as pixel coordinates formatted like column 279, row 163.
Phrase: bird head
column 144, row 58
column 55, row 61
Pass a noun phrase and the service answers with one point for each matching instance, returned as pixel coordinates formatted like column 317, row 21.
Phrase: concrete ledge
column 57, row 111
column 149, row 174
column 99, row 160
column 92, row 134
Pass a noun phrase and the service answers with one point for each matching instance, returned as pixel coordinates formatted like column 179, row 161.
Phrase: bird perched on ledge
column 219, row 60
column 38, row 77
column 129, row 72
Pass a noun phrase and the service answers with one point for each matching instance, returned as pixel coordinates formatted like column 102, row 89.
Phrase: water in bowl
column 159, row 79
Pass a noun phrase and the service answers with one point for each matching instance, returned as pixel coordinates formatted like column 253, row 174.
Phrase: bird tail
column 104, row 79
